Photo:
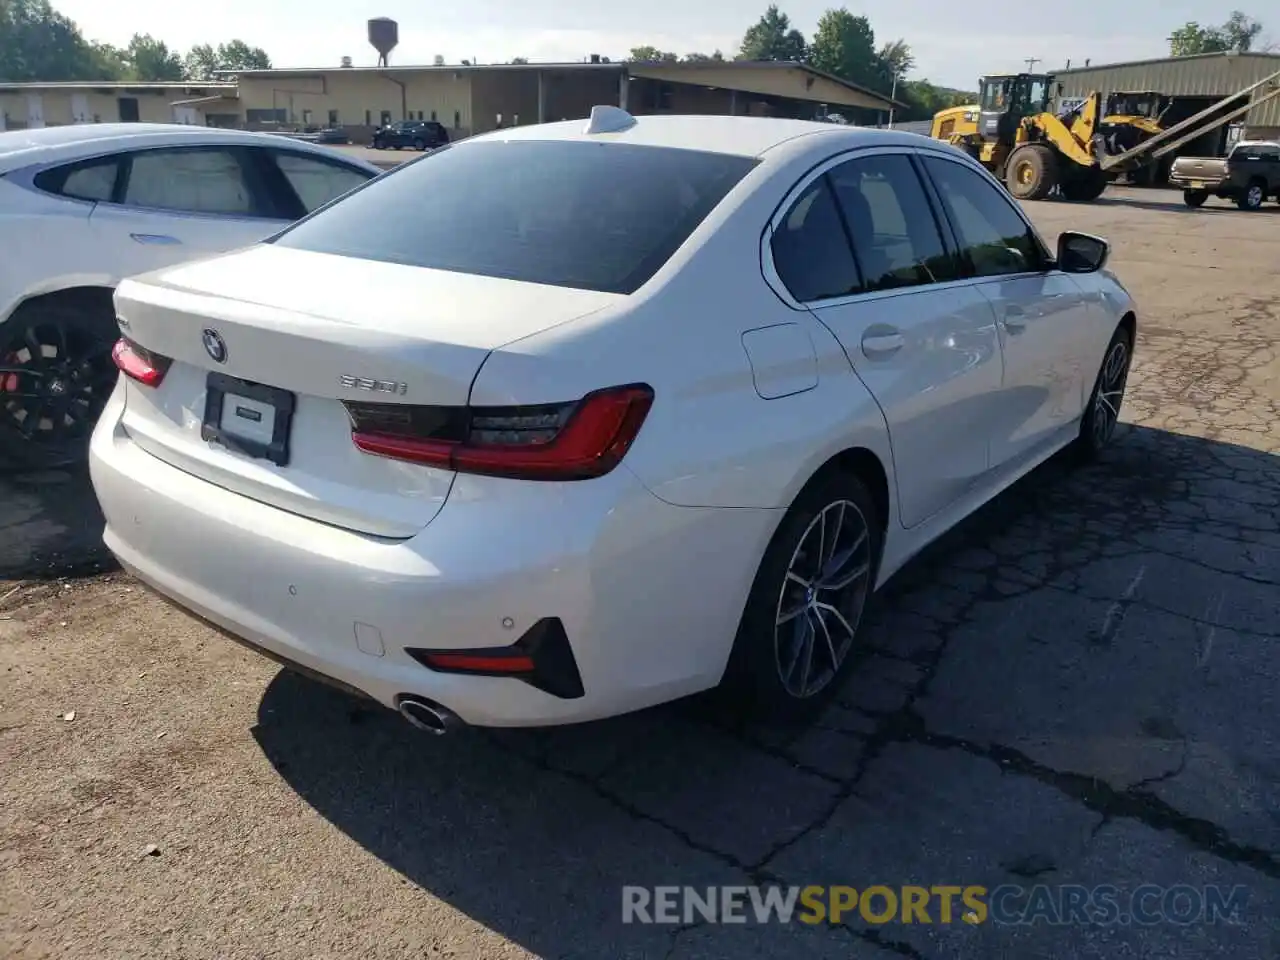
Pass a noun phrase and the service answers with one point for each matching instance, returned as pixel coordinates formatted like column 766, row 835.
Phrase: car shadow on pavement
column 1035, row 700
column 50, row 525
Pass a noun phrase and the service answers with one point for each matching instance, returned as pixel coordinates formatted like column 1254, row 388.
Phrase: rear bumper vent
column 541, row 658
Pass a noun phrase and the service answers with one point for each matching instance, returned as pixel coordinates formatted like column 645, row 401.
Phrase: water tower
column 384, row 34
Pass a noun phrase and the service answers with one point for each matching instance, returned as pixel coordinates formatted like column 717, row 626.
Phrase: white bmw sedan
column 590, row 416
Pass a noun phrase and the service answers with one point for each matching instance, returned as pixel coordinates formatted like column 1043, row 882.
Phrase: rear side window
column 596, row 216
column 316, row 181
column 993, row 237
column 810, row 249
column 91, row 180
column 1256, row 151
column 208, row 180
column 895, row 234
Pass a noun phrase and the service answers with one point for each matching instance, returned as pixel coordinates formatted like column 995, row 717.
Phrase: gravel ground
column 1078, row 686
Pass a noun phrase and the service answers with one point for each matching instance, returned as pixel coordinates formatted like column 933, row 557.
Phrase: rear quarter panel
column 710, row 439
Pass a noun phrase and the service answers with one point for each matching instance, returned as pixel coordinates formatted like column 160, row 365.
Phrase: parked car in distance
column 337, row 135
column 645, row 406
column 418, row 134
column 81, row 207
column 1249, row 175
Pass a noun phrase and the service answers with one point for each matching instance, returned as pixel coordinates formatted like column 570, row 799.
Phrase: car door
column 862, row 248
column 176, row 203
column 1044, row 317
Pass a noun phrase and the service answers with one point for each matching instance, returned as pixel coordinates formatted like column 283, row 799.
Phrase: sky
column 953, row 42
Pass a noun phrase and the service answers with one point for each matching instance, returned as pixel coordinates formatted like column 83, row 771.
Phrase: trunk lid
column 305, row 331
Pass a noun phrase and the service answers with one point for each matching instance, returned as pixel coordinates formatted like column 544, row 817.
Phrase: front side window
column 810, row 248
column 208, row 180
column 316, row 181
column 994, row 239
column 596, row 216
column 894, row 232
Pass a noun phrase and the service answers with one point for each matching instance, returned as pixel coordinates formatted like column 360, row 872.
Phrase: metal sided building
column 1193, row 83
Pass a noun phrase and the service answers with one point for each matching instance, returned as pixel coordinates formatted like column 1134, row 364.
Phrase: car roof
column 20, row 148
column 744, row 136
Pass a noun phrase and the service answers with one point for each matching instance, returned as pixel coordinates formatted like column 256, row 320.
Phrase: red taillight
column 138, row 363
column 568, row 441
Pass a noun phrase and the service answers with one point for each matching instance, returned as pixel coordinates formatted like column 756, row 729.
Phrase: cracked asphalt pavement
column 1078, row 686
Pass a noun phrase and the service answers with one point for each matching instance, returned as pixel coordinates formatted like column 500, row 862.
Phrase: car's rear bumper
column 649, row 594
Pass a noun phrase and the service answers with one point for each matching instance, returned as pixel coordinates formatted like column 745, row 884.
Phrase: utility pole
column 893, row 93
column 1031, row 63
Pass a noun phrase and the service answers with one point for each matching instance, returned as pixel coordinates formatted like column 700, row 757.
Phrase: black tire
column 1084, row 185
column 56, row 374
column 419, row 145
column 1098, row 425
column 1032, row 172
column 1255, row 194
column 1195, row 198
column 771, row 671
column 378, row 144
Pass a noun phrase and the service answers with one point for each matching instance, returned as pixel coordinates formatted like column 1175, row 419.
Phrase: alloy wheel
column 1106, row 404
column 54, row 380
column 822, row 599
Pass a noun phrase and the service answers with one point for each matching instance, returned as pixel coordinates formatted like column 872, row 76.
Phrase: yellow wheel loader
column 1012, row 133
column 1036, row 152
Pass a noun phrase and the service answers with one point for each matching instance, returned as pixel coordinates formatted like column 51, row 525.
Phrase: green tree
column 716, row 57
column 238, row 55
column 648, row 54
column 897, row 58
column 204, row 60
column 38, row 43
column 773, row 38
column 845, row 46
column 151, row 59
column 201, row 62
column 1239, row 33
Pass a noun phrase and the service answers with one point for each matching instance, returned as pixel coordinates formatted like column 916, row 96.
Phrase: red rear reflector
column 138, row 363
column 517, row 663
column 571, row 441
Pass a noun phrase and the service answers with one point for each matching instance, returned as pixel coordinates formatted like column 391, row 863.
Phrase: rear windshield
column 596, row 216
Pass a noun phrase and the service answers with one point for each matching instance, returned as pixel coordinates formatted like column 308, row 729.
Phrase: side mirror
column 1081, row 252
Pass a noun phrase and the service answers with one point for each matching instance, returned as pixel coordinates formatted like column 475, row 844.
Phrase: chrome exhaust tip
column 427, row 716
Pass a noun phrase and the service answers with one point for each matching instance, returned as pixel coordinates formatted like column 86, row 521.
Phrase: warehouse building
column 31, row 105
column 1192, row 83
column 471, row 99
column 465, row 98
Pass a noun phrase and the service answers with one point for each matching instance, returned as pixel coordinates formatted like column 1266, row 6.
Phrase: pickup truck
column 1249, row 175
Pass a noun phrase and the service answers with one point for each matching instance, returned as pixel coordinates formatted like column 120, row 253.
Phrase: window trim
column 823, row 167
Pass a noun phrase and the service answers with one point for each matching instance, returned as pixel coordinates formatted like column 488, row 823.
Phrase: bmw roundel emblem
column 215, row 346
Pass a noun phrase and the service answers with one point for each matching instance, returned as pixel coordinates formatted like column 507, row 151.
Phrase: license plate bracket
column 248, row 418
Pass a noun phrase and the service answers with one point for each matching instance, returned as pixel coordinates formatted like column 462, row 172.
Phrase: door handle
column 882, row 344
column 1015, row 319
column 156, row 239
